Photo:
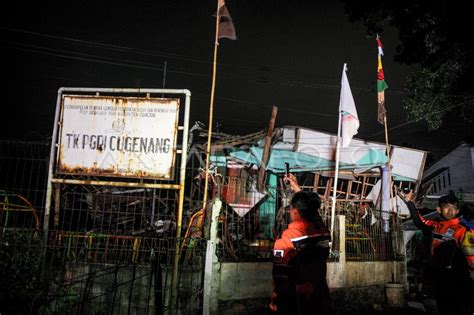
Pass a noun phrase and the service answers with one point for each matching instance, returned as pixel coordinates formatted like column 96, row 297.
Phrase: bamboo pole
column 211, row 113
column 174, row 291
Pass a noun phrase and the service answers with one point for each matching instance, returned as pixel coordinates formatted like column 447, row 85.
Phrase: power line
column 78, row 53
column 115, row 63
column 109, row 46
column 131, row 49
column 149, row 66
column 290, row 83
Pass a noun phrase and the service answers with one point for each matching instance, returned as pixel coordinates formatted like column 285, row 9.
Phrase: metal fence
column 370, row 234
column 109, row 250
column 23, row 170
column 23, row 175
column 129, row 228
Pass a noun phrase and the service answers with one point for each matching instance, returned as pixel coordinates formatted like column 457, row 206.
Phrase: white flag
column 348, row 112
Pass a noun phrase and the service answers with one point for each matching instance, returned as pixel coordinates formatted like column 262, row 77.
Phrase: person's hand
column 291, row 179
column 410, row 196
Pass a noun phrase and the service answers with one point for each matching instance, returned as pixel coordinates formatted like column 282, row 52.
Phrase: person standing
column 299, row 259
column 450, row 266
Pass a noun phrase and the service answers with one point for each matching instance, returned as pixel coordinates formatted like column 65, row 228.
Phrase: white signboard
column 323, row 145
column 118, row 136
column 408, row 162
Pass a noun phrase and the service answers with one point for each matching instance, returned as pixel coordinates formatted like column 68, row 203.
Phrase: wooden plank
column 316, row 182
column 266, row 150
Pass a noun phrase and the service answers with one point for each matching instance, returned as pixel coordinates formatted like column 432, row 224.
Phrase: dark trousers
column 454, row 293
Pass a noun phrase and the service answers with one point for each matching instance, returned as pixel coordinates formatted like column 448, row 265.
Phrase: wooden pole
column 266, row 149
column 211, row 113
column 174, row 279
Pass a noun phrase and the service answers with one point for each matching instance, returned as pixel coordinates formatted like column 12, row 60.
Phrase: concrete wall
column 254, row 280
column 372, row 272
column 230, row 281
column 245, row 280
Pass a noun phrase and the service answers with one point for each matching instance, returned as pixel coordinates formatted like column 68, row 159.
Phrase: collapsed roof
column 307, row 150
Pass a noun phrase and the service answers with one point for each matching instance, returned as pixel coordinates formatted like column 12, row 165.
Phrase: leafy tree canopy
column 437, row 36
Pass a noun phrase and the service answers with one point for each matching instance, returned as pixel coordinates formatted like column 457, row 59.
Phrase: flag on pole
column 226, row 26
column 347, row 110
column 381, row 86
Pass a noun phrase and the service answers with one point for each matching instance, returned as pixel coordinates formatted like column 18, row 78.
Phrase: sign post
column 120, row 138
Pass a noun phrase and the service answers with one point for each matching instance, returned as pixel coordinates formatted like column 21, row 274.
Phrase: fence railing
column 110, row 249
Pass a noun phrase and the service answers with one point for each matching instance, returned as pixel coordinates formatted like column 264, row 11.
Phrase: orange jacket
column 447, row 243
column 299, row 270
column 445, row 231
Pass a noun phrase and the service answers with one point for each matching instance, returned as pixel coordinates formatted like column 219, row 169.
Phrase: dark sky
column 288, row 53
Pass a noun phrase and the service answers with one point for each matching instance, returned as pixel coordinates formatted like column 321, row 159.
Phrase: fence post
column 337, row 269
column 209, row 296
column 342, row 239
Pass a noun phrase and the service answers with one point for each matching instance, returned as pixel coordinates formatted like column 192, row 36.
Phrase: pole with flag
column 381, row 86
column 348, row 125
column 224, row 29
column 382, row 112
column 387, row 192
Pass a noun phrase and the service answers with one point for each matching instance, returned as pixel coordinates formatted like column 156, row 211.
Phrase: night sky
column 288, row 53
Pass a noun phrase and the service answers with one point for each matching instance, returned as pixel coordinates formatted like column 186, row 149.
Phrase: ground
column 366, row 301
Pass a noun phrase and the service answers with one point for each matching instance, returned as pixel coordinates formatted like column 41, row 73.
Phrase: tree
column 435, row 35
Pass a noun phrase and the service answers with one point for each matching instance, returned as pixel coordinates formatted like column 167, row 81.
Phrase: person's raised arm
column 291, row 179
column 418, row 220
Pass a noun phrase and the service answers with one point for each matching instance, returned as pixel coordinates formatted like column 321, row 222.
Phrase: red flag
column 226, row 27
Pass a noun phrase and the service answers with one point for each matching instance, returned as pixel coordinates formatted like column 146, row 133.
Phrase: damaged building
column 113, row 249
column 368, row 248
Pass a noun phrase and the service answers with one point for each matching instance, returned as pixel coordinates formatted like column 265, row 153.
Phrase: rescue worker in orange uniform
column 299, row 259
column 451, row 267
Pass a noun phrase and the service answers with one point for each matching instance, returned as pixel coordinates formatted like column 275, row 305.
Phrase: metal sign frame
column 53, row 179
column 176, row 184
column 118, row 136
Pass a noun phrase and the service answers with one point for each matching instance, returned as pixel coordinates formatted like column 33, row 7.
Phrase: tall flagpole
column 387, row 146
column 211, row 113
column 390, row 186
column 386, row 141
column 336, row 171
column 389, row 170
column 174, row 280
column 382, row 112
column 210, row 248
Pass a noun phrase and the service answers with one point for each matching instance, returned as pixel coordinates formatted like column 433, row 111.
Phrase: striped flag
column 381, row 86
column 348, row 112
